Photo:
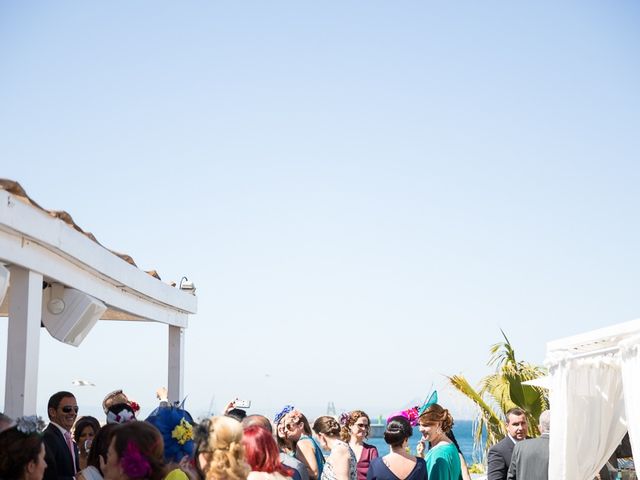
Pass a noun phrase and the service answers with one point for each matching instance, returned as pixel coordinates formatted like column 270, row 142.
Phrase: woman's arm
column 307, row 455
column 463, row 467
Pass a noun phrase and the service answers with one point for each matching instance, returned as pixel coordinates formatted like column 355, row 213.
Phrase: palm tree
column 501, row 391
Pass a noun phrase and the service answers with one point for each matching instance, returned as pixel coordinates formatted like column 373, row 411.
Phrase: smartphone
column 241, row 403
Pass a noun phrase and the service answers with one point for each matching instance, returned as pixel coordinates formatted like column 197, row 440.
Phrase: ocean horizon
column 462, row 429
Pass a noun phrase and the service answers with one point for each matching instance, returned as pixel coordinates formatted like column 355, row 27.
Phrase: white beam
column 32, row 224
column 23, row 342
column 176, row 364
column 28, row 254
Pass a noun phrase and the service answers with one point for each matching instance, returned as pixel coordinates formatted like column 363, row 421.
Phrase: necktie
column 67, row 437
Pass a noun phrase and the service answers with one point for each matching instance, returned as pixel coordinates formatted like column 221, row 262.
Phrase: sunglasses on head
column 69, row 409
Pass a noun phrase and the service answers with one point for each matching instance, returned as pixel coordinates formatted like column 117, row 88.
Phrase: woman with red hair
column 261, row 452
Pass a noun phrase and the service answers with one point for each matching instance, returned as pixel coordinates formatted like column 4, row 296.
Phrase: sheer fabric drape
column 587, row 415
column 630, row 369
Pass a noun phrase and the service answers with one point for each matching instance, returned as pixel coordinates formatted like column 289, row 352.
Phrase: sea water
column 462, row 429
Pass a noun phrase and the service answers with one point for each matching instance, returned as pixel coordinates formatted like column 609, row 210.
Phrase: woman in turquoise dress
column 298, row 432
column 443, row 461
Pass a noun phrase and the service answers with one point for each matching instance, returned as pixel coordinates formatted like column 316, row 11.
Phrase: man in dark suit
column 530, row 459
column 61, row 453
column 499, row 457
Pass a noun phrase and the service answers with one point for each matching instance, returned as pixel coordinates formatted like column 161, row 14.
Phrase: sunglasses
column 290, row 426
column 69, row 409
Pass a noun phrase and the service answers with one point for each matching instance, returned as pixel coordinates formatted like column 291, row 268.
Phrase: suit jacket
column 499, row 459
column 57, row 455
column 530, row 459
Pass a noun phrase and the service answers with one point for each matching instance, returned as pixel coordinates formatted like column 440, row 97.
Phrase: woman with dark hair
column 97, row 454
column 397, row 464
column 355, row 430
column 136, row 451
column 262, row 455
column 443, row 460
column 341, row 463
column 83, row 432
column 22, row 450
column 298, row 431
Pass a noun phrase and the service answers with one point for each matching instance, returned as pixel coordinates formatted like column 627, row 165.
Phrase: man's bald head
column 257, row 421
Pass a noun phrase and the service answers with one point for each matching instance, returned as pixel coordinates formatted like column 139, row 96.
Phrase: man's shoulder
column 503, row 444
column 532, row 442
column 51, row 434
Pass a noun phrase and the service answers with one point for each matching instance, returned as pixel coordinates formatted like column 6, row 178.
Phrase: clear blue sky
column 363, row 192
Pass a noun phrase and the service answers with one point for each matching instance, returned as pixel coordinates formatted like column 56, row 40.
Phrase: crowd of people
column 168, row 444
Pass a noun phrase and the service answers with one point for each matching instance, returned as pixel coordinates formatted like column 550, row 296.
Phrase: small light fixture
column 187, row 285
column 56, row 305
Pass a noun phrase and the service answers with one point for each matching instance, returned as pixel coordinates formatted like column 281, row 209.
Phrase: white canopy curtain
column 587, row 414
column 630, row 369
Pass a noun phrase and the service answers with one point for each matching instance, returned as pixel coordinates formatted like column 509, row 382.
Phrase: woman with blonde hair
column 443, row 460
column 341, row 463
column 355, row 430
column 219, row 454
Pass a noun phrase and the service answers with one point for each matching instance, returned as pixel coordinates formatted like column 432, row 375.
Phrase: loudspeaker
column 4, row 282
column 69, row 314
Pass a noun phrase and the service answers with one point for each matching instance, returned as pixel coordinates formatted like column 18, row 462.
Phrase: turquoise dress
column 443, row 463
column 317, row 451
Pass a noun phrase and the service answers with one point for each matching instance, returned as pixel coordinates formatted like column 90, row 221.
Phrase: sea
column 462, row 429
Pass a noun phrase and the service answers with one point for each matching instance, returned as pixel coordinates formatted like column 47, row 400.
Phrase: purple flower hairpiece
column 280, row 415
column 343, row 419
column 134, row 464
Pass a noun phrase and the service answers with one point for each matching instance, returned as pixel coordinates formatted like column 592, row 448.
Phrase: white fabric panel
column 587, row 415
column 630, row 367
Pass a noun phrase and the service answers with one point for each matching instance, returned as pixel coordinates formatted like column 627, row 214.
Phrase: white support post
column 23, row 342
column 176, row 364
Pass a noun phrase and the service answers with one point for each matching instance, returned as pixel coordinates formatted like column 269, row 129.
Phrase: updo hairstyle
column 352, row 418
column 142, row 442
column 328, row 426
column 221, row 453
column 435, row 414
column 398, row 429
column 17, row 449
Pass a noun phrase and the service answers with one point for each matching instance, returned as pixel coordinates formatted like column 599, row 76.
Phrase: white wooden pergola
column 38, row 246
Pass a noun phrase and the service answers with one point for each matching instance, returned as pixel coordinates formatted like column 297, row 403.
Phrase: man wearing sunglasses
column 61, row 453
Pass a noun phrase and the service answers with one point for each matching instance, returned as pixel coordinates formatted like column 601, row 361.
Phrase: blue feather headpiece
column 176, row 426
column 280, row 415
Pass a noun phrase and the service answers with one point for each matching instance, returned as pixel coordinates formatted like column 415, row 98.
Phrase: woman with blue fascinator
column 297, row 431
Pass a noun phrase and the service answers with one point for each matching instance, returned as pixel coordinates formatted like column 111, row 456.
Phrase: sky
column 364, row 193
